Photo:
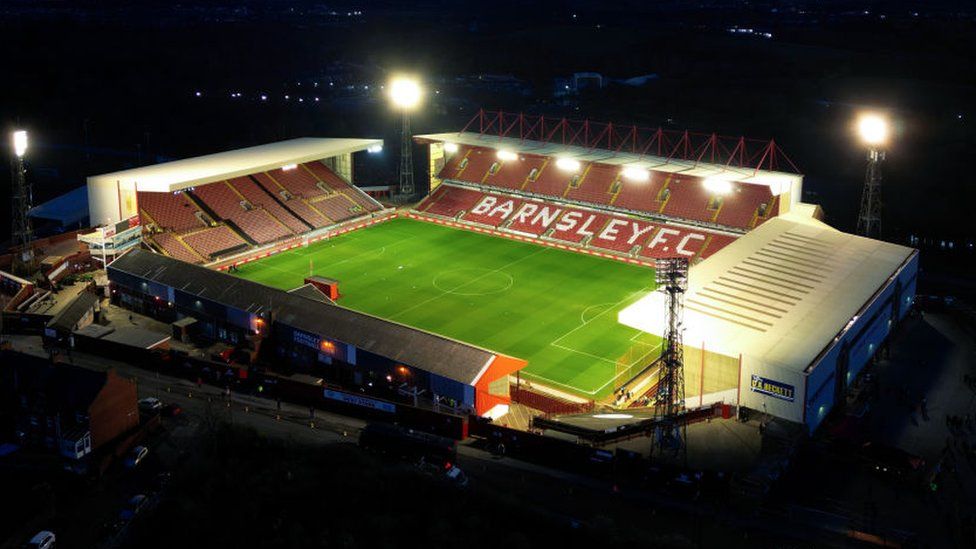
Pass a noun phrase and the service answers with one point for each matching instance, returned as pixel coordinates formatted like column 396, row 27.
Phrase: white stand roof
column 780, row 294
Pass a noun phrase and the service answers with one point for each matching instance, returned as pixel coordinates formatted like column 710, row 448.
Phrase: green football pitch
column 554, row 308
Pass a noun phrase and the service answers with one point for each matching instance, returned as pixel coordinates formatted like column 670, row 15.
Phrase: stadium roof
column 67, row 209
column 781, row 293
column 180, row 174
column 777, row 181
column 429, row 352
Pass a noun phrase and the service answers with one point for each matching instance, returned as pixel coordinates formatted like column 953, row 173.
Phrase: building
column 313, row 335
column 207, row 208
column 65, row 408
column 784, row 319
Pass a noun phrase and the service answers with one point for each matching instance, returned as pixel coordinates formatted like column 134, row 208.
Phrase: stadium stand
column 449, row 201
column 617, row 233
column 514, row 174
column 688, row 199
column 257, row 224
column 534, row 217
column 214, row 241
column 172, row 211
column 249, row 190
column 220, row 199
column 298, row 181
column 575, row 225
column 172, row 246
column 640, row 195
column 337, row 183
column 679, row 197
column 293, row 202
column 551, row 181
column 594, row 185
column 749, row 207
column 472, row 167
column 339, row 208
column 495, row 213
column 260, row 226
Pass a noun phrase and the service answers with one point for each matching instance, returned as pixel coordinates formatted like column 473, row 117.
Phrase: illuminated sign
column 772, row 388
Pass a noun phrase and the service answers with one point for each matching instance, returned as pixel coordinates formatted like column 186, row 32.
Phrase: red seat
column 171, row 211
column 214, row 241
column 171, row 246
column 258, row 197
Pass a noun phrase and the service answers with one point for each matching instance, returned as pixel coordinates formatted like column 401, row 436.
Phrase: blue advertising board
column 772, row 388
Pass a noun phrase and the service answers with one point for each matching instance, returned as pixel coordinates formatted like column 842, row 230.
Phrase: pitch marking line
column 598, row 389
column 473, row 280
column 613, row 307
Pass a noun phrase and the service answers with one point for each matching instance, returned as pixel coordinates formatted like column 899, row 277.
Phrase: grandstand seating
column 595, row 185
column 595, row 229
column 640, row 195
column 260, row 226
column 534, row 217
column 172, row 246
column 339, row 208
column 449, row 201
column 295, row 203
column 551, row 181
column 255, row 222
column 172, row 211
column 513, row 174
column 495, row 213
column 220, row 198
column 575, row 225
column 686, row 197
column 742, row 209
column 257, row 196
column 214, row 241
column 298, row 181
column 322, row 173
column 472, row 165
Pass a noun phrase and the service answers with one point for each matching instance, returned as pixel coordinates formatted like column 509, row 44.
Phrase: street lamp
column 405, row 94
column 21, row 202
column 873, row 130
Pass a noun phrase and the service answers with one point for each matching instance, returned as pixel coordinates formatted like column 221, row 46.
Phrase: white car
column 150, row 405
column 42, row 540
column 136, row 456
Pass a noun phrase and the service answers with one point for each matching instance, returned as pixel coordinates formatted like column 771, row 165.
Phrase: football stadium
column 523, row 273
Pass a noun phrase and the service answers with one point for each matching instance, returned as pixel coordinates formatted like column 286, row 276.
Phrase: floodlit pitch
column 556, row 309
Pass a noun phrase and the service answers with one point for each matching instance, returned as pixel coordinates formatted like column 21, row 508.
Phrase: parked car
column 172, row 410
column 890, row 461
column 457, row 476
column 133, row 507
column 150, row 405
column 42, row 540
column 136, row 456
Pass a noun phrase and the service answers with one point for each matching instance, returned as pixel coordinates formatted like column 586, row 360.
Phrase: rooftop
column 189, row 172
column 430, row 352
column 781, row 293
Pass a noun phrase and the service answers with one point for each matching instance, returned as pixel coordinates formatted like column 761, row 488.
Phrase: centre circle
column 473, row 281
